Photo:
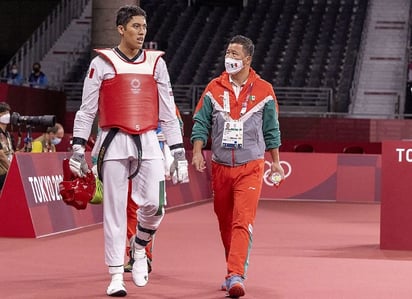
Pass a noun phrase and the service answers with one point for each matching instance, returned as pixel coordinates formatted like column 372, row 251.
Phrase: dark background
column 19, row 19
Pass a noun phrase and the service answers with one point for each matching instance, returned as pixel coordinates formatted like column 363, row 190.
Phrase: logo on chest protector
column 135, row 86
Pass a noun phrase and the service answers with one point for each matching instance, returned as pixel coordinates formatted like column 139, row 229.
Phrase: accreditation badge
column 233, row 135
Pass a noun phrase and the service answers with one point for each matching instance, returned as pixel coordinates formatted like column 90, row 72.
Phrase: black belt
column 106, row 142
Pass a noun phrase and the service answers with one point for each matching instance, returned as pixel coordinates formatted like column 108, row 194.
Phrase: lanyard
column 244, row 104
column 226, row 101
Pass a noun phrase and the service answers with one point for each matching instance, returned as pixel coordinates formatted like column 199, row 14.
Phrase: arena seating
column 299, row 43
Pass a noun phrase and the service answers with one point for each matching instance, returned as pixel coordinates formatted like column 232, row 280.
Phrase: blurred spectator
column 14, row 76
column 410, row 72
column 47, row 142
column 6, row 142
column 37, row 78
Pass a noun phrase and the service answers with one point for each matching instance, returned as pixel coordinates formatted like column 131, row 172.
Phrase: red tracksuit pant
column 236, row 194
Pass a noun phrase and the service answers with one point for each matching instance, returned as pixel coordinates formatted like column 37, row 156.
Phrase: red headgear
column 75, row 191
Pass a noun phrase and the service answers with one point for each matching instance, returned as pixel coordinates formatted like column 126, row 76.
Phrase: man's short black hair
column 246, row 42
column 4, row 107
column 127, row 12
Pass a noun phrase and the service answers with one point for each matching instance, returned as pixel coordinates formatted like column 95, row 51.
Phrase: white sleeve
column 167, row 107
column 99, row 70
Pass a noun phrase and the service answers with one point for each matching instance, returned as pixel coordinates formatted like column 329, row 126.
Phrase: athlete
column 130, row 90
column 241, row 110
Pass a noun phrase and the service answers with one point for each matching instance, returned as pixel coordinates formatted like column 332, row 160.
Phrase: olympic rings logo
column 135, row 86
column 286, row 167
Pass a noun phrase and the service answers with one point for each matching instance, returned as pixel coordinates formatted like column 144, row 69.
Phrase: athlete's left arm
column 167, row 107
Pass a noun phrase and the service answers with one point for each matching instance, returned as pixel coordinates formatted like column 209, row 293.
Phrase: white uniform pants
column 148, row 191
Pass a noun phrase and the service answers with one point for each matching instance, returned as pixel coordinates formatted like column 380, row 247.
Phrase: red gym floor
column 301, row 250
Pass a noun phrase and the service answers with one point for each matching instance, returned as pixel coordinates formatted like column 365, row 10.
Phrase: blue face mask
column 56, row 140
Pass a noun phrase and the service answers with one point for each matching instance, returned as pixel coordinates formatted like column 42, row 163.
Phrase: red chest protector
column 130, row 100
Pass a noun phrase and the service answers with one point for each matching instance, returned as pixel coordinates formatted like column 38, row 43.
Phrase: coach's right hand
column 77, row 162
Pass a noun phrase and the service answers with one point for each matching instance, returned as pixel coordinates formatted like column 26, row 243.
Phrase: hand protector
column 77, row 162
column 179, row 168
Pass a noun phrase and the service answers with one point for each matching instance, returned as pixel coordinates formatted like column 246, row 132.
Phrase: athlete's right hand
column 77, row 162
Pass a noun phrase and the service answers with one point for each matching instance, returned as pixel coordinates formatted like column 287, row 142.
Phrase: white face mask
column 14, row 71
column 56, row 140
column 5, row 119
column 233, row 66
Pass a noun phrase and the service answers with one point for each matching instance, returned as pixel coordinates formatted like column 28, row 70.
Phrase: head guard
column 75, row 191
